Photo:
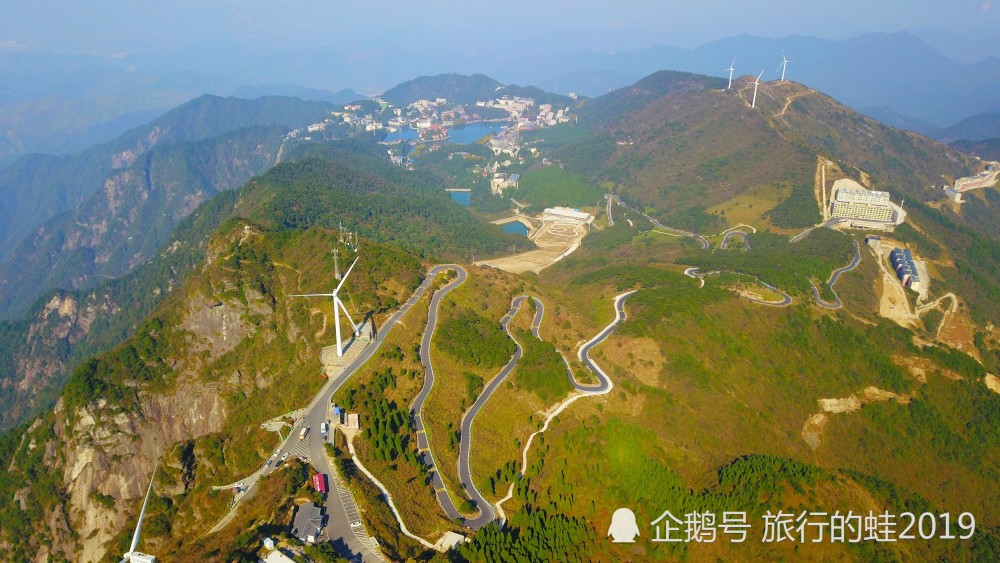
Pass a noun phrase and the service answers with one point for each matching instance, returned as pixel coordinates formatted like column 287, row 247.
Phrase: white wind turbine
column 133, row 556
column 730, row 69
column 783, row 65
column 338, row 306
column 753, row 104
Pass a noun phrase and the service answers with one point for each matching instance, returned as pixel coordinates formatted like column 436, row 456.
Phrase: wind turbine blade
column 142, row 513
column 124, row 560
column 734, row 62
column 758, row 76
column 343, row 279
column 343, row 308
column 313, row 295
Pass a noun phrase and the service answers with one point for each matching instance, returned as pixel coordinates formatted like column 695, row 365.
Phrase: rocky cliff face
column 62, row 323
column 125, row 223
column 114, row 454
column 106, row 452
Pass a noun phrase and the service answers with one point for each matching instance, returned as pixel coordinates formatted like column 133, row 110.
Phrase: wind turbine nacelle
column 141, row 558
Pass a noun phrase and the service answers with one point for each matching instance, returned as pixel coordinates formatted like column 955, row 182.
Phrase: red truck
column 319, row 482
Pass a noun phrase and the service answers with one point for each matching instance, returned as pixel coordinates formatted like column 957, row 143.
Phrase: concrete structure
column 567, row 213
column 905, row 268
column 308, row 522
column 502, row 181
column 862, row 211
column 278, row 556
column 269, row 543
column 984, row 179
column 864, row 208
column 953, row 195
column 504, row 146
column 854, row 195
column 352, row 421
column 874, row 241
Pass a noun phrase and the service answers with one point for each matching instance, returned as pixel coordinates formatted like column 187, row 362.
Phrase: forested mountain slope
column 340, row 183
column 122, row 225
column 37, row 187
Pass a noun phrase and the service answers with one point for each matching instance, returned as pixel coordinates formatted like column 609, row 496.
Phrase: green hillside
column 417, row 215
column 737, row 385
column 382, row 202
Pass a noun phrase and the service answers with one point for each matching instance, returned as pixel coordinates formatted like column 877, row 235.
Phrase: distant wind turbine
column 753, row 104
column 730, row 69
column 338, row 307
column 133, row 556
column 783, row 66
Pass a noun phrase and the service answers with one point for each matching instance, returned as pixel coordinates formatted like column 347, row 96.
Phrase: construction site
column 556, row 232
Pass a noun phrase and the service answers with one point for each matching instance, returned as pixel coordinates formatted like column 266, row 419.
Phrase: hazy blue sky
column 142, row 25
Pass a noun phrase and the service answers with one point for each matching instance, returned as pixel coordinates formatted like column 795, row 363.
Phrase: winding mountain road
column 785, row 298
column 465, row 445
column 486, row 512
column 416, row 408
column 730, row 234
column 833, row 280
column 583, row 354
column 702, row 241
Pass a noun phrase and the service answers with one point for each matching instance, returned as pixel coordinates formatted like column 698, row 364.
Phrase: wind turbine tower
column 730, row 69
column 133, row 556
column 784, row 65
column 338, row 307
column 753, row 104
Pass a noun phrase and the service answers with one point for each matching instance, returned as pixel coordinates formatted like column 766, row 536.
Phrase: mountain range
column 64, row 220
column 64, row 103
column 725, row 397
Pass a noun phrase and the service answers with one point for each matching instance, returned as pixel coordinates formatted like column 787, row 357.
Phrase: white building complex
column 864, row 208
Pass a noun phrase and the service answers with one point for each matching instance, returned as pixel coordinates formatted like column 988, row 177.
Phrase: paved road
column 344, row 522
column 829, row 223
column 785, row 298
column 486, row 514
column 741, row 234
column 833, row 280
column 702, row 241
column 604, row 384
column 416, row 408
column 465, row 445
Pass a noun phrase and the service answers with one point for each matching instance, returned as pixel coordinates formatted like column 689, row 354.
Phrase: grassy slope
column 708, row 393
column 487, row 294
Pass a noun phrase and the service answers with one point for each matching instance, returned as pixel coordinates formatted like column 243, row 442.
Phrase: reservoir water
column 462, row 197
column 515, row 227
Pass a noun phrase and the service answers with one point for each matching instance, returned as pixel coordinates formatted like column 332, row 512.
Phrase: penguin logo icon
column 623, row 527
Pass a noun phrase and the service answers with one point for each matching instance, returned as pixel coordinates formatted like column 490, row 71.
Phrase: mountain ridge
column 31, row 193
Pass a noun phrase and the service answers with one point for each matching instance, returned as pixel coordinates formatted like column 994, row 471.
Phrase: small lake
column 515, row 227
column 459, row 134
column 462, row 197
